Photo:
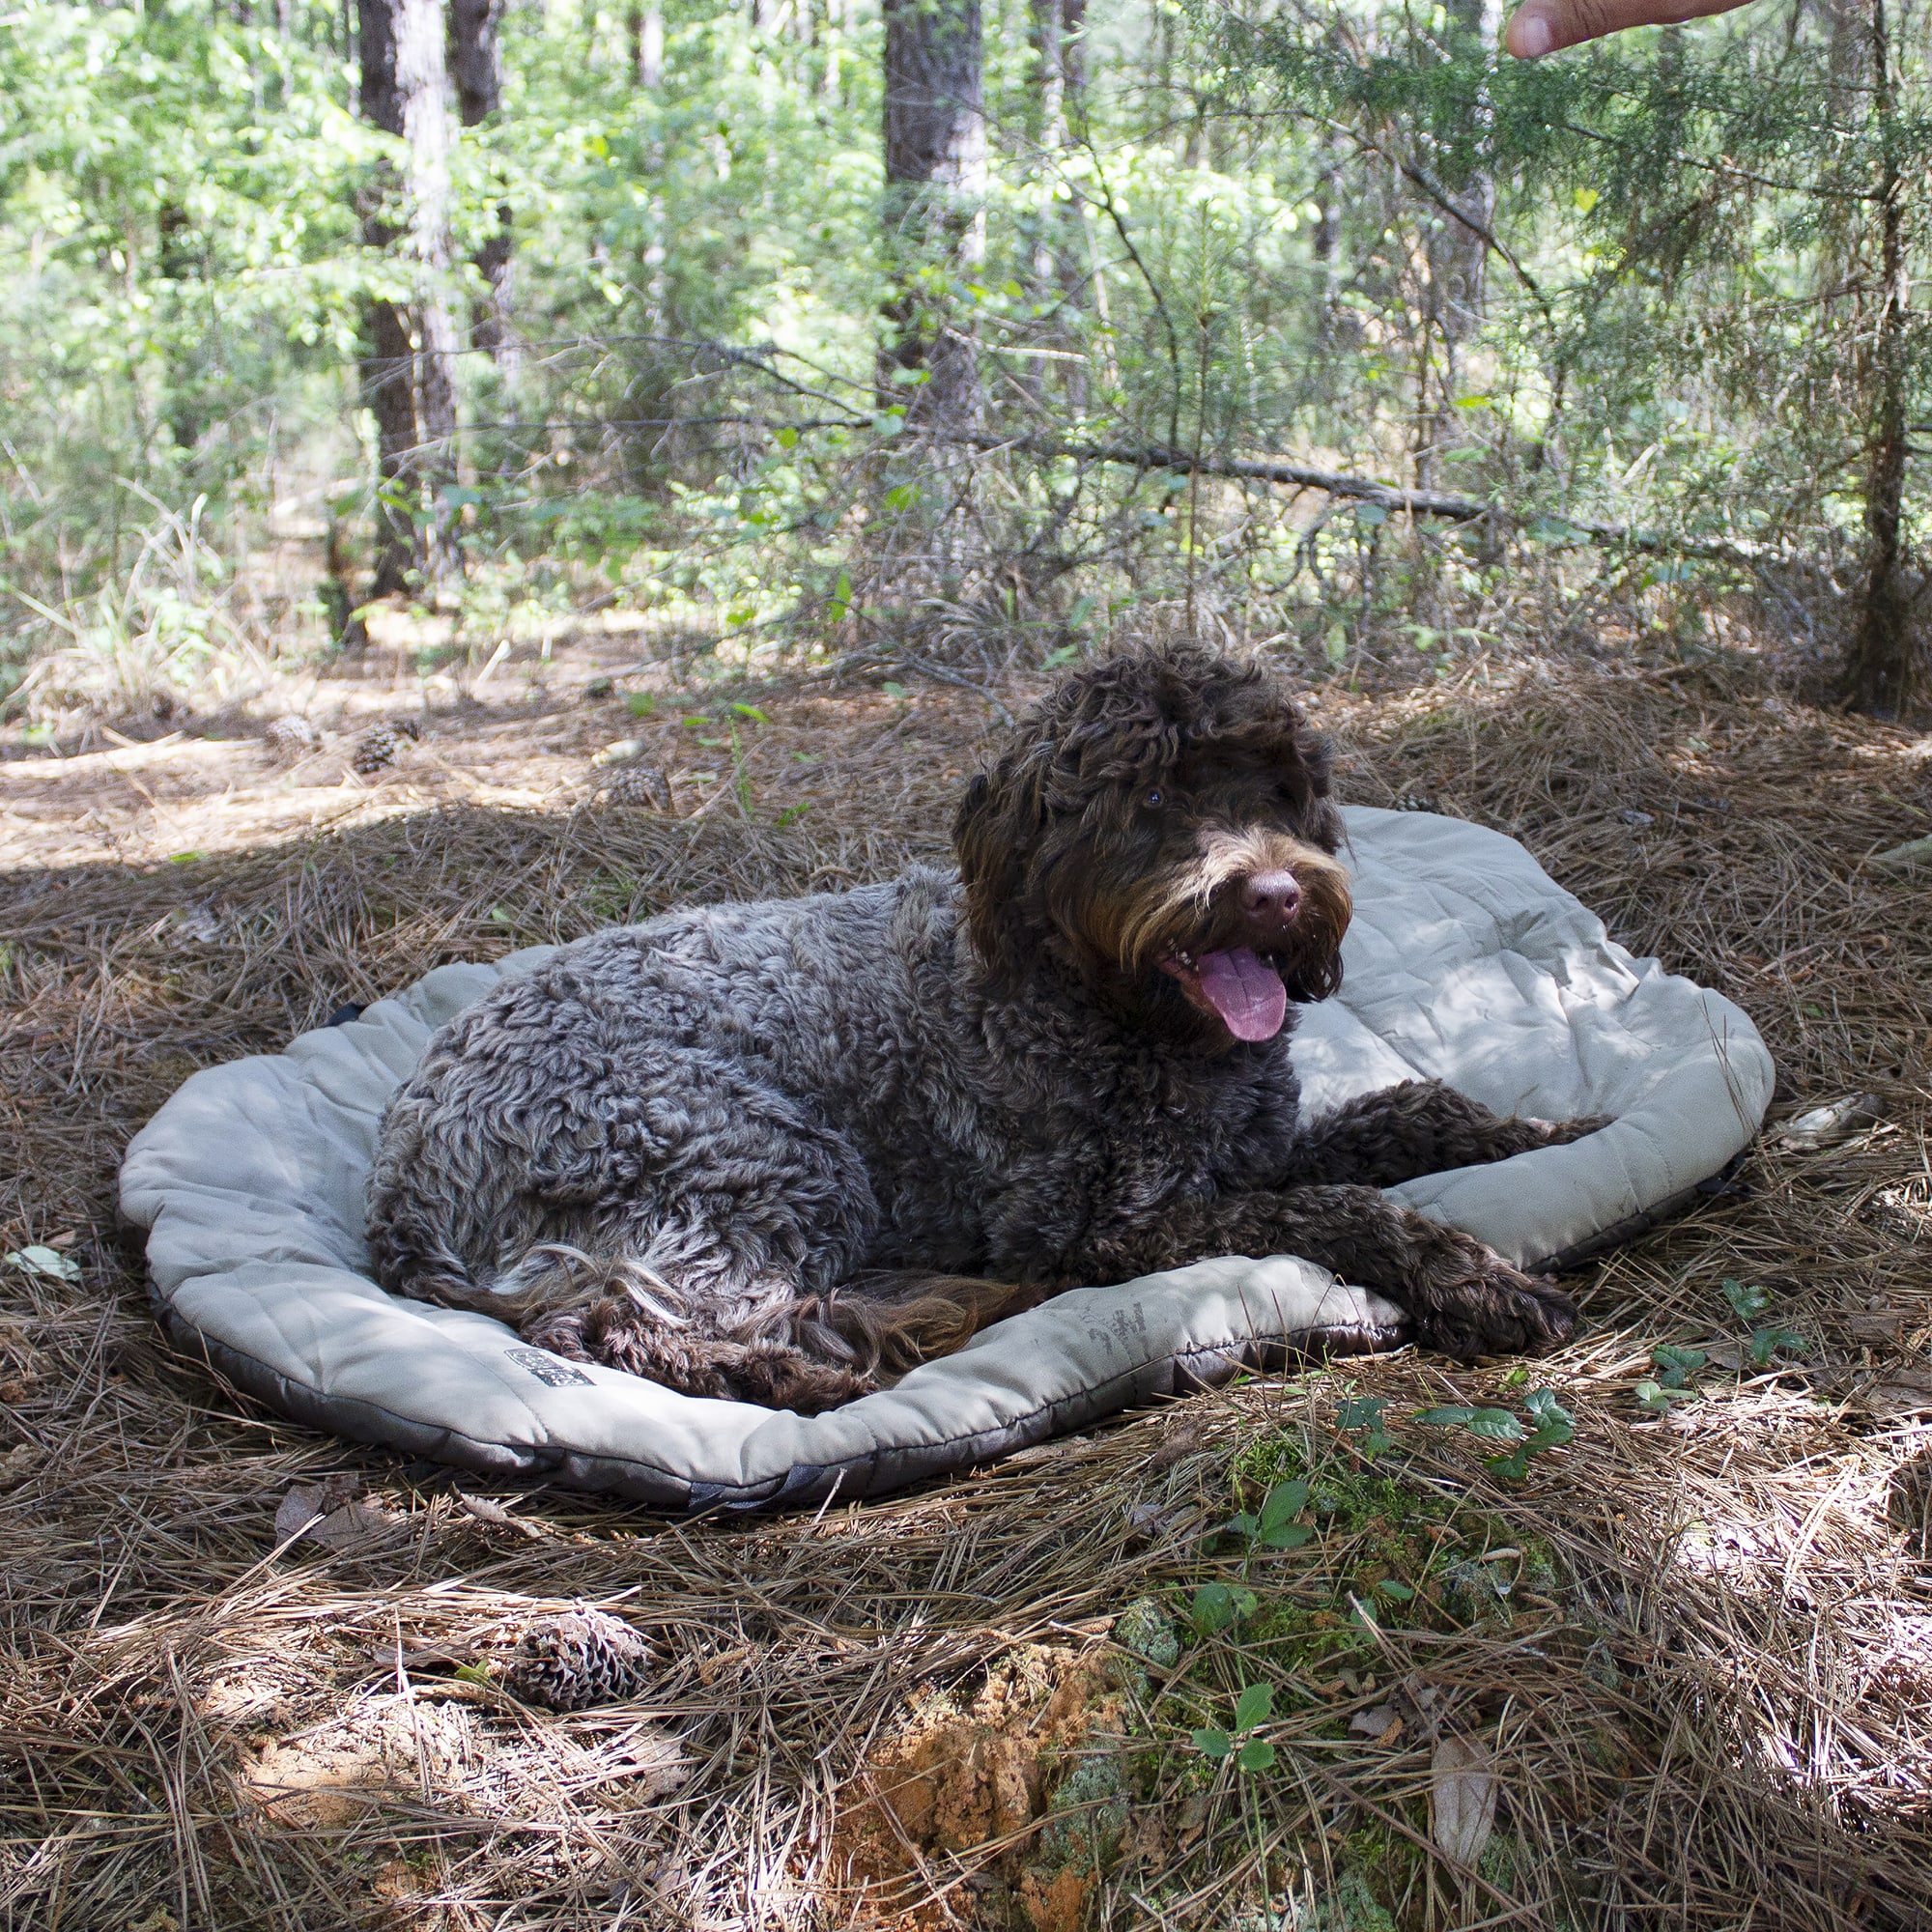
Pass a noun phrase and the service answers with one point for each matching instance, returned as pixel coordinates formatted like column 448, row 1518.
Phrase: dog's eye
column 1155, row 796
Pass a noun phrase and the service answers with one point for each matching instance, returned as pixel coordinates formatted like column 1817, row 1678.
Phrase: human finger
column 1542, row 26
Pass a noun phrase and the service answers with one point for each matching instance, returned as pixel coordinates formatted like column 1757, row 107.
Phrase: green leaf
column 792, row 814
column 752, row 712
column 786, row 438
column 1394, row 1591
column 1289, row 1536
column 1372, row 516
column 1257, row 1754
column 1513, row 1467
column 1254, row 1706
column 1065, row 654
column 1244, row 1524
column 1554, row 1423
column 1447, row 1418
column 474, row 1673
column 1362, row 1411
column 1656, row 1398
column 1495, row 1425
column 1764, row 1342
column 1212, row 1608
column 892, row 690
column 903, row 497
column 1212, row 1743
column 640, row 704
column 1675, row 1365
column 1284, row 1504
column 1745, row 1302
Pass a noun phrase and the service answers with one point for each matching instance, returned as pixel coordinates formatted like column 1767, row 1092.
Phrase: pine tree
column 409, row 372
column 935, row 222
column 1733, row 241
column 476, row 68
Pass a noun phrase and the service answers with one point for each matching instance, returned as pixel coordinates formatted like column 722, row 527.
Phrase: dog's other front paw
column 1497, row 1310
column 1524, row 1133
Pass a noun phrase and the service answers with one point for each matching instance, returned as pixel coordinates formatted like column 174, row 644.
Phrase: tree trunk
column 644, row 29
column 1056, row 27
column 1882, row 668
column 935, row 142
column 476, row 66
column 1461, row 257
column 408, row 377
column 1073, row 57
column 1458, row 251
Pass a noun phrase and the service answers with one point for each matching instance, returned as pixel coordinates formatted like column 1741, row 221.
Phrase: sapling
column 1273, row 1526
column 1253, row 1708
column 1362, row 1416
column 1549, row 1427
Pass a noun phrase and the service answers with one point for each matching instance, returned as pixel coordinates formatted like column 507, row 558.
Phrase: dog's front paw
column 1524, row 1133
column 1494, row 1309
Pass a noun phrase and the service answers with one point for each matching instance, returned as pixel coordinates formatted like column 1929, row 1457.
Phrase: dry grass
column 1709, row 1693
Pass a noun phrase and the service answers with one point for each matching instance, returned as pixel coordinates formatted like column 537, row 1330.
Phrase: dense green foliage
column 1644, row 286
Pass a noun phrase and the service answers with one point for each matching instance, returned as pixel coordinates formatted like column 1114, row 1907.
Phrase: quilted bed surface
column 1464, row 963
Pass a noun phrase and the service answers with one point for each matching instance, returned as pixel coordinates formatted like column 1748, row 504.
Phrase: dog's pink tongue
column 1249, row 997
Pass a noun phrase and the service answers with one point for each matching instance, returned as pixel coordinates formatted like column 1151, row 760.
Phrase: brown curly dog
column 777, row 1151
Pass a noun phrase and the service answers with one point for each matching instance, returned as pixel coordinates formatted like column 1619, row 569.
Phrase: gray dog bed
column 1465, row 964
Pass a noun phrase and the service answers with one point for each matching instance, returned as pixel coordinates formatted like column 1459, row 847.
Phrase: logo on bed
column 552, row 1371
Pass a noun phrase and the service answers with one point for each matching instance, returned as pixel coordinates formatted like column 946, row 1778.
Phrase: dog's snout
column 1272, row 898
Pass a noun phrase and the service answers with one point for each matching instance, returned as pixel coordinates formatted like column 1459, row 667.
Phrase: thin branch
column 1386, row 495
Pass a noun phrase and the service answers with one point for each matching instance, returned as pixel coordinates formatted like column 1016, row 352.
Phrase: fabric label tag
column 552, row 1371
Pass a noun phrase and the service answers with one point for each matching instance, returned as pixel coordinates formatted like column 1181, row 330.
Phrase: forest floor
column 1688, row 1659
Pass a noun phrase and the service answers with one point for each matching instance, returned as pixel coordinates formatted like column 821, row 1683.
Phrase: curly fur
column 779, row 1152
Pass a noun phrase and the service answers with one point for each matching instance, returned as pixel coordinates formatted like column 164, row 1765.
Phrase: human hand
column 1542, row 26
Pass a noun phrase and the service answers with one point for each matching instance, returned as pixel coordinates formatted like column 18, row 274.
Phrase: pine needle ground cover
column 1641, row 1635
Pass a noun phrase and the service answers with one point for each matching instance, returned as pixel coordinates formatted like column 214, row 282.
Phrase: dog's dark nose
column 1272, row 898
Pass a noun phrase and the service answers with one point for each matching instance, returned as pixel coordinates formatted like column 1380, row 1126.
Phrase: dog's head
column 1159, row 826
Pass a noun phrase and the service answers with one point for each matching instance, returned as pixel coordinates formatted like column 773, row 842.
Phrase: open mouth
column 1237, row 987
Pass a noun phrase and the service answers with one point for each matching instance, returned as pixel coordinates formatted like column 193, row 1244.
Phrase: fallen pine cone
column 576, row 1660
column 639, row 784
column 376, row 748
column 292, row 737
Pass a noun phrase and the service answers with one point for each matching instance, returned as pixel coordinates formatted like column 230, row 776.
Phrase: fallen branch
column 1387, row 496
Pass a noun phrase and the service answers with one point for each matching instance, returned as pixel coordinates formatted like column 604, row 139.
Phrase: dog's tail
column 896, row 1318
column 786, row 1348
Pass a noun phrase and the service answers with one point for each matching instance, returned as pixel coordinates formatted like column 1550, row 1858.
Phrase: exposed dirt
column 974, row 1774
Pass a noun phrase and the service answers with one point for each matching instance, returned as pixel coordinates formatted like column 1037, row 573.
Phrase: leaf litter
column 1716, row 1616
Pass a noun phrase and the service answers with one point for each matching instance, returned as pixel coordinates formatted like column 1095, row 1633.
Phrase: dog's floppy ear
column 1317, row 756
column 990, row 838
